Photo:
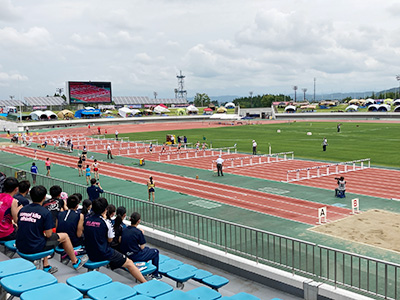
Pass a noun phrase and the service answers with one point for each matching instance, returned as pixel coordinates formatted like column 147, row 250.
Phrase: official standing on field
column 220, row 162
column 254, row 147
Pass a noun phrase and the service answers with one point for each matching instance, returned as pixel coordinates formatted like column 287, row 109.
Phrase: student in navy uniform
column 98, row 234
column 35, row 224
column 118, row 224
column 24, row 187
column 71, row 221
column 94, row 190
column 133, row 244
column 55, row 205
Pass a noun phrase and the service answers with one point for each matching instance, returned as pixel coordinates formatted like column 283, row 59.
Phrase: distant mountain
column 220, row 99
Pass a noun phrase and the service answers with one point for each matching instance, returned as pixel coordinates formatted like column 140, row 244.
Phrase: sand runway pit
column 375, row 227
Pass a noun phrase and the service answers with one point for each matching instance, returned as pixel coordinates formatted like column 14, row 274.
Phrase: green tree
column 201, row 100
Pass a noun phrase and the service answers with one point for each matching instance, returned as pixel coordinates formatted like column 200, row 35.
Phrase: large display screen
column 89, row 92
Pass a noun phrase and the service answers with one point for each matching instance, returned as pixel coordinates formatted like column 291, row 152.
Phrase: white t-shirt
column 254, row 144
column 220, row 161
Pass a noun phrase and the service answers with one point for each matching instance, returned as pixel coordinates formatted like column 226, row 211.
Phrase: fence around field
column 340, row 268
column 326, row 170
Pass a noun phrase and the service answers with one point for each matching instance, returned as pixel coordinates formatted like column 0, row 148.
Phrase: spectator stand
column 252, row 160
column 326, row 170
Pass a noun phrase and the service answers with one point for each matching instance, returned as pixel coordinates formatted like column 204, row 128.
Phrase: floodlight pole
column 295, row 91
column 398, row 79
column 251, row 98
column 304, row 92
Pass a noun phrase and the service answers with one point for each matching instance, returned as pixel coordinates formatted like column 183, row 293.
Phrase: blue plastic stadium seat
column 15, row 266
column 174, row 295
column 163, row 258
column 95, row 265
column 87, row 281
column 139, row 297
column 168, row 266
column 10, row 247
column 59, row 291
column 243, row 296
column 113, row 290
column 148, row 268
column 182, row 274
column 204, row 293
column 36, row 256
column 17, row 284
column 200, row 274
column 153, row 288
column 215, row 281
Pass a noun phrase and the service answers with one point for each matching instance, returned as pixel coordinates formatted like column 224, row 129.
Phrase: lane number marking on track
column 272, row 190
column 205, row 204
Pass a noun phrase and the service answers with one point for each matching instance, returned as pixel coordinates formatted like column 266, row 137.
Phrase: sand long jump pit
column 377, row 228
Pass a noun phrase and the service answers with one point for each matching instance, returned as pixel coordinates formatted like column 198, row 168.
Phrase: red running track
column 280, row 206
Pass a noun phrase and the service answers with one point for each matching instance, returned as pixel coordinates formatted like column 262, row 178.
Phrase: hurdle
column 329, row 169
column 253, row 160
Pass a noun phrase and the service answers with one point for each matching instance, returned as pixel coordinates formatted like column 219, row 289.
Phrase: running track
column 280, row 206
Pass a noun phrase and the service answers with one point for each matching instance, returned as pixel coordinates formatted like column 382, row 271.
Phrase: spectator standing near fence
column 48, row 166
column 34, row 171
column 220, row 163
column 133, row 244
column 324, row 144
column 9, row 210
column 254, row 147
column 94, row 190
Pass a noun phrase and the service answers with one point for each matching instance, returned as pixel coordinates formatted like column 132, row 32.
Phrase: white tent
column 192, row 108
column 126, row 112
column 369, row 101
column 397, row 109
column 89, row 108
column 37, row 115
column 50, row 114
column 373, row 107
column 352, row 108
column 160, row 109
column 290, row 108
column 230, row 105
column 381, row 107
column 396, row 102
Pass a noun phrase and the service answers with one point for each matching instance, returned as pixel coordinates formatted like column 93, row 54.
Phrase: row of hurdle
column 192, row 153
column 246, row 161
column 326, row 170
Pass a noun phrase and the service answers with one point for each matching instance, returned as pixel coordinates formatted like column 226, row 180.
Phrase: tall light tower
column 304, row 94
column 59, row 91
column 251, row 98
column 181, row 92
column 295, row 87
column 398, row 79
column 315, row 80
column 155, row 95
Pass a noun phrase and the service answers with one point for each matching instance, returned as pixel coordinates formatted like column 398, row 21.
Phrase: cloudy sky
column 224, row 47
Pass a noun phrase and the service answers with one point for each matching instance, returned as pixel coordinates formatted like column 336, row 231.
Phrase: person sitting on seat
column 35, row 231
column 341, row 189
column 133, row 244
column 98, row 234
column 9, row 209
column 71, row 222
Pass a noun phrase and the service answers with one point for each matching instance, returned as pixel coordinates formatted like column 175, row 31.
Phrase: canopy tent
column 192, row 108
column 290, row 108
column 89, row 108
column 397, row 109
column 50, row 115
column 308, row 107
column 127, row 112
column 160, row 109
column 221, row 110
column 230, row 105
column 163, row 105
column 38, row 115
column 65, row 114
column 388, row 101
column 352, row 107
column 381, row 107
column 354, row 101
column 212, row 106
column 369, row 101
column 87, row 113
column 180, row 111
column 207, row 111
